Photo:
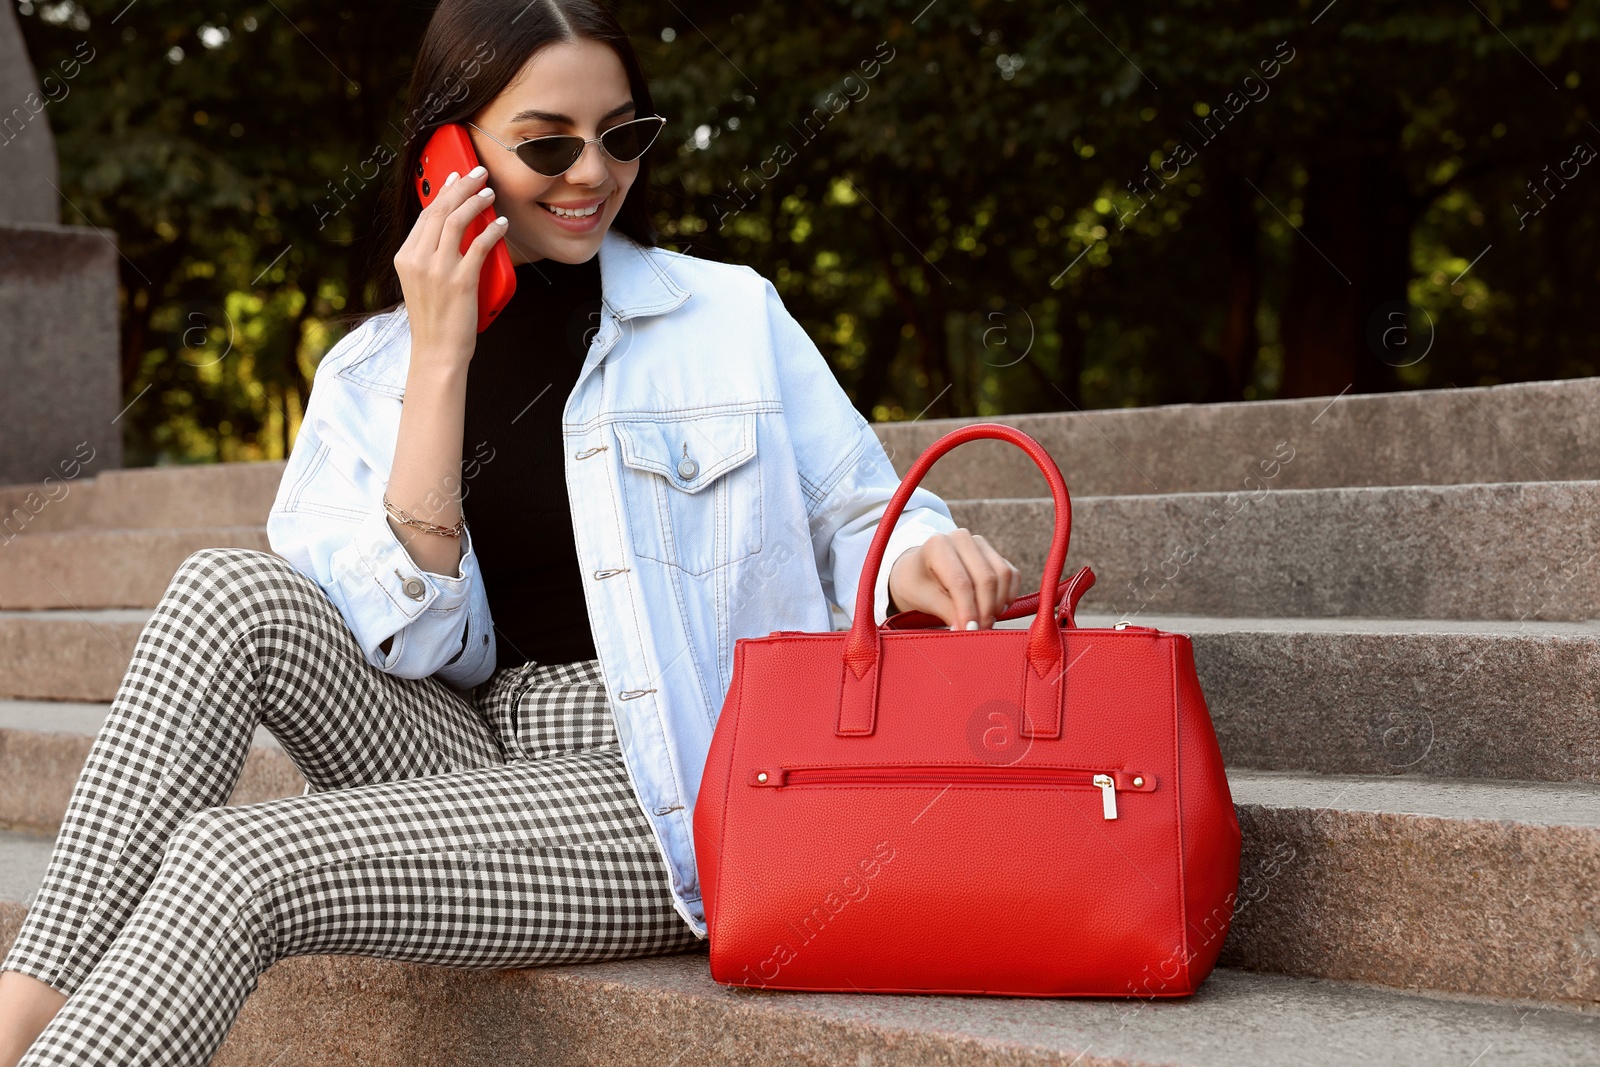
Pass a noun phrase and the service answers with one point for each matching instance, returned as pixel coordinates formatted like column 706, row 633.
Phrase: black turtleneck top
column 514, row 487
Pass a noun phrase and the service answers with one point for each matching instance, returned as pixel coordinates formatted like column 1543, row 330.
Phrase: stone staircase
column 1393, row 600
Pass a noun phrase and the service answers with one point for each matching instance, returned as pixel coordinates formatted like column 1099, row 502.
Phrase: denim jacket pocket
column 691, row 484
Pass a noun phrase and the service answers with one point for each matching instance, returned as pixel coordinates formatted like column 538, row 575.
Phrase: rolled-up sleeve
column 844, row 470
column 383, row 594
column 329, row 523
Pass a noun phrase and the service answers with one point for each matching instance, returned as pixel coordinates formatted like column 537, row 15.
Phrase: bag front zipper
column 1108, row 782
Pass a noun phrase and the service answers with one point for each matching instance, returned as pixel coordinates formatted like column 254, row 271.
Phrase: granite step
column 141, row 498
column 1415, row 552
column 24, row 855
column 1528, row 431
column 1445, row 698
column 1479, row 887
column 1385, row 552
column 44, row 744
column 1342, row 876
column 67, row 655
column 1499, row 551
column 1531, row 431
column 1439, row 697
column 341, row 1010
column 106, row 568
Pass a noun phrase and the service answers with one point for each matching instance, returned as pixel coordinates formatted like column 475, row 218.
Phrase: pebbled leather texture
column 938, row 845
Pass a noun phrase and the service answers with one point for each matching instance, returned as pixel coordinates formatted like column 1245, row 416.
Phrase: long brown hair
column 471, row 50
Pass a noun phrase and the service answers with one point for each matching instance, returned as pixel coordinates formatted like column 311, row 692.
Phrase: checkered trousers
column 500, row 830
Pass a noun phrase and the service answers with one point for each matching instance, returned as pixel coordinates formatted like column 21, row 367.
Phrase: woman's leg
column 540, row 710
column 531, row 863
column 239, row 638
column 26, row 1007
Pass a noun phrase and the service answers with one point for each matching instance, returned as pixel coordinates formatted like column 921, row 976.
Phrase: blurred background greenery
column 976, row 207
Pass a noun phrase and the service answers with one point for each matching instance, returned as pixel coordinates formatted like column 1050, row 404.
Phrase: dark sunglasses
column 554, row 155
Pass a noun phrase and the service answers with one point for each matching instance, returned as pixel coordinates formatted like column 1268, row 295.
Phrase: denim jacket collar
column 634, row 283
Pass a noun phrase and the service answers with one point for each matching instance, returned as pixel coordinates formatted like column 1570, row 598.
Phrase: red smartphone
column 450, row 149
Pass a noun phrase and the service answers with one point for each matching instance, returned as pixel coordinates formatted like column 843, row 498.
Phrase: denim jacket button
column 687, row 467
column 413, row 588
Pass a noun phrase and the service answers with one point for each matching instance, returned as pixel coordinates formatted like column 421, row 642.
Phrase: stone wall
column 60, row 387
column 27, row 150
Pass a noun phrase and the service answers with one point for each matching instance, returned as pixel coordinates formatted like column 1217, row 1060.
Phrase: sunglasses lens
column 550, row 155
column 629, row 141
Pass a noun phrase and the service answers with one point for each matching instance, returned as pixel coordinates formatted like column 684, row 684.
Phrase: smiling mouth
column 583, row 213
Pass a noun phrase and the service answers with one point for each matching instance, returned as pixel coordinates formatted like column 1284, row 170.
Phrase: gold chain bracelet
column 427, row 527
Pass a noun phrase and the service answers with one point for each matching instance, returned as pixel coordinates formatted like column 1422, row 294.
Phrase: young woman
column 641, row 460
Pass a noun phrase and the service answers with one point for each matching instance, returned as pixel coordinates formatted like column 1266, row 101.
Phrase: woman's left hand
column 957, row 576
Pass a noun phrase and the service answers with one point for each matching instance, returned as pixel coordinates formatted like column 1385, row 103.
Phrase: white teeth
column 571, row 214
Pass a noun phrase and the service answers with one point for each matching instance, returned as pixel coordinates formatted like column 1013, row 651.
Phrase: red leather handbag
column 1016, row 812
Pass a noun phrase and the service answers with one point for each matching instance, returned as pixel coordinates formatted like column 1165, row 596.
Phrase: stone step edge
column 78, row 718
column 1531, row 803
column 614, row 1011
column 83, row 532
column 1299, row 491
column 1086, row 619
column 1570, row 804
column 1452, row 487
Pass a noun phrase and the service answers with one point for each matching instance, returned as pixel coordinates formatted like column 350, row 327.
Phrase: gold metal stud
column 1137, row 782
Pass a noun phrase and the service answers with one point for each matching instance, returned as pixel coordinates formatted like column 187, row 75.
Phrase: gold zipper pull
column 1108, row 795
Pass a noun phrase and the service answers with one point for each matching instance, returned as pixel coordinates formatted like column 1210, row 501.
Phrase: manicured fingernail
column 972, row 624
column 502, row 221
column 451, row 180
column 477, row 172
column 486, row 191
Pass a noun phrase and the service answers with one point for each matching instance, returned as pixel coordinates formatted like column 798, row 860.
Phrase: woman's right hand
column 439, row 283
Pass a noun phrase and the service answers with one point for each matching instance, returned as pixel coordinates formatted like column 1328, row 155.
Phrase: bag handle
column 1044, row 678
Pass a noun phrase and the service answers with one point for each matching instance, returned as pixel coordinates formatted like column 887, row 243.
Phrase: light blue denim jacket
column 721, row 484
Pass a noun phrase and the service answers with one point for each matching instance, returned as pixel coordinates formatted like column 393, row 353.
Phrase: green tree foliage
column 977, row 207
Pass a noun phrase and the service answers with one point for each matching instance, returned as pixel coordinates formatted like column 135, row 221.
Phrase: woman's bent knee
column 215, row 869
column 239, row 581
column 224, row 566
column 225, row 846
